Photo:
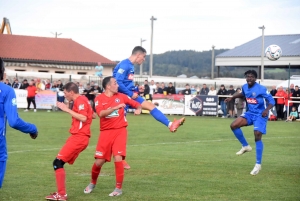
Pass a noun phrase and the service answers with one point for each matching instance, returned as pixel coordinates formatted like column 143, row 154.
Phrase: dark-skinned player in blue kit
column 124, row 74
column 259, row 102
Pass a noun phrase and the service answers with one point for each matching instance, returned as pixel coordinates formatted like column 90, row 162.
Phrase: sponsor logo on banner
column 196, row 105
column 251, row 100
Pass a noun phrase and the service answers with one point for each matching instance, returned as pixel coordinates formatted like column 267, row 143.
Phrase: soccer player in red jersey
column 113, row 133
column 77, row 142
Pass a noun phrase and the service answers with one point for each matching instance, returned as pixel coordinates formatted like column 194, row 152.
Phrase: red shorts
column 111, row 142
column 75, row 144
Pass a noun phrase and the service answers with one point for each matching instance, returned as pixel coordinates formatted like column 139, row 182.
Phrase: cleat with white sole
column 89, row 188
column 256, row 169
column 244, row 150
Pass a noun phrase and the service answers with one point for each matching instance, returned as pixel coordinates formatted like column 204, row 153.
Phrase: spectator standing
column 171, row 89
column 24, row 84
column 16, row 84
column 80, row 88
column 292, row 88
column 296, row 94
column 230, row 104
column 7, row 82
column 31, row 91
column 153, row 88
column 193, row 90
column 204, row 90
column 146, row 89
column 280, row 103
column 212, row 91
column 48, row 85
column 288, row 106
column 88, row 92
column 273, row 93
column 159, row 90
column 164, row 88
column 222, row 91
column 39, row 85
column 136, row 87
column 187, row 90
column 239, row 103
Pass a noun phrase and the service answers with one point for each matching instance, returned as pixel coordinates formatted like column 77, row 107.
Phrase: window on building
column 43, row 71
column 20, row 70
column 60, row 72
column 81, row 73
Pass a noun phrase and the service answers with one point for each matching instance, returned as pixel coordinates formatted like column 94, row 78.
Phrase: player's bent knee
column 99, row 162
column 57, row 164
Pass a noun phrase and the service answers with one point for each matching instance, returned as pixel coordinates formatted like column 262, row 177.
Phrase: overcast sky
column 113, row 27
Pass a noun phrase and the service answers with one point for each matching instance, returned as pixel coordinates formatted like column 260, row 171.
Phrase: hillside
column 193, row 63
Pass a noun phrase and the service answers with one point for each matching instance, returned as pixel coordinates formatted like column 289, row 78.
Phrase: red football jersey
column 117, row 118
column 82, row 106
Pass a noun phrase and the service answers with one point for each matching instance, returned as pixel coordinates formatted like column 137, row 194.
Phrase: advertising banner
column 170, row 104
column 43, row 99
column 201, row 105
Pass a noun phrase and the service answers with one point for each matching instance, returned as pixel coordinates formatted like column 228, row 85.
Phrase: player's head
column 71, row 91
column 138, row 55
column 250, row 76
column 2, row 69
column 110, row 85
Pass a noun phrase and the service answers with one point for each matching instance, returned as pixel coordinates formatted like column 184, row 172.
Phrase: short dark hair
column 138, row 49
column 71, row 86
column 106, row 81
column 253, row 72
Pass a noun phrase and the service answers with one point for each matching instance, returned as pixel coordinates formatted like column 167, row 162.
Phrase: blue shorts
column 259, row 122
column 2, row 171
column 139, row 99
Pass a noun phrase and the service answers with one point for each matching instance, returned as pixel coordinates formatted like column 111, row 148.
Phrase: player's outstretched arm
column 14, row 121
column 76, row 115
column 108, row 111
column 238, row 95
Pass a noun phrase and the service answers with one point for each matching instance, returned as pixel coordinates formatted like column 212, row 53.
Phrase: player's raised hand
column 62, row 106
column 33, row 135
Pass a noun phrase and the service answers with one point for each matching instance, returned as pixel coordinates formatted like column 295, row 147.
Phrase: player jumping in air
column 259, row 102
column 9, row 112
column 124, row 74
column 77, row 142
column 113, row 133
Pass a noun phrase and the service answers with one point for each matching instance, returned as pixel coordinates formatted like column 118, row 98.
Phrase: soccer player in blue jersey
column 124, row 74
column 259, row 102
column 9, row 112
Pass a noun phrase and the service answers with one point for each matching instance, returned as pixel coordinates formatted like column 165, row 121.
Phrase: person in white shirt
column 152, row 87
column 212, row 91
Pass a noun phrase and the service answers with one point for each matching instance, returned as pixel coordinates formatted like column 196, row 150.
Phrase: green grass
column 196, row 163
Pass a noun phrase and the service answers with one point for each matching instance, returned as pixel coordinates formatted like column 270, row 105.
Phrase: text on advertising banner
column 201, row 105
column 170, row 104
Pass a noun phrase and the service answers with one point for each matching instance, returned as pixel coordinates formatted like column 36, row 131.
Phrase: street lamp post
column 212, row 61
column 262, row 54
column 151, row 55
column 141, row 66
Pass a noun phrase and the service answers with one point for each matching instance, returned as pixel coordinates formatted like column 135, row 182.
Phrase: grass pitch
column 198, row 162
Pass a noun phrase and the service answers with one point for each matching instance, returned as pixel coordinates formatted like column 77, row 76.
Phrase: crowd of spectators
column 230, row 109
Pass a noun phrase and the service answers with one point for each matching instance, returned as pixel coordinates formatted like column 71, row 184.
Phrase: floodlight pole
column 141, row 66
column 151, row 55
column 212, row 61
column 262, row 54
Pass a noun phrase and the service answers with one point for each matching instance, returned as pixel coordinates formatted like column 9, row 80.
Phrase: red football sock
column 95, row 173
column 60, row 175
column 119, row 170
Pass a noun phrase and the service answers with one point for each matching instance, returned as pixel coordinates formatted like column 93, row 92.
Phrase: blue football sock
column 159, row 116
column 259, row 151
column 239, row 135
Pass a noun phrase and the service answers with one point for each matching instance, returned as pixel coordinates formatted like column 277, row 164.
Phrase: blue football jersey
column 9, row 112
column 257, row 98
column 124, row 74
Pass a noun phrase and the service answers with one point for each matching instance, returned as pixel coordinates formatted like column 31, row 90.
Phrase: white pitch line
column 163, row 143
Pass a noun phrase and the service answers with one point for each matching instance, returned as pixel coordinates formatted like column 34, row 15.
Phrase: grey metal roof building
column 249, row 54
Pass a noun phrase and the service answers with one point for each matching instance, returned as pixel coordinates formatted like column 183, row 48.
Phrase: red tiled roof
column 41, row 49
